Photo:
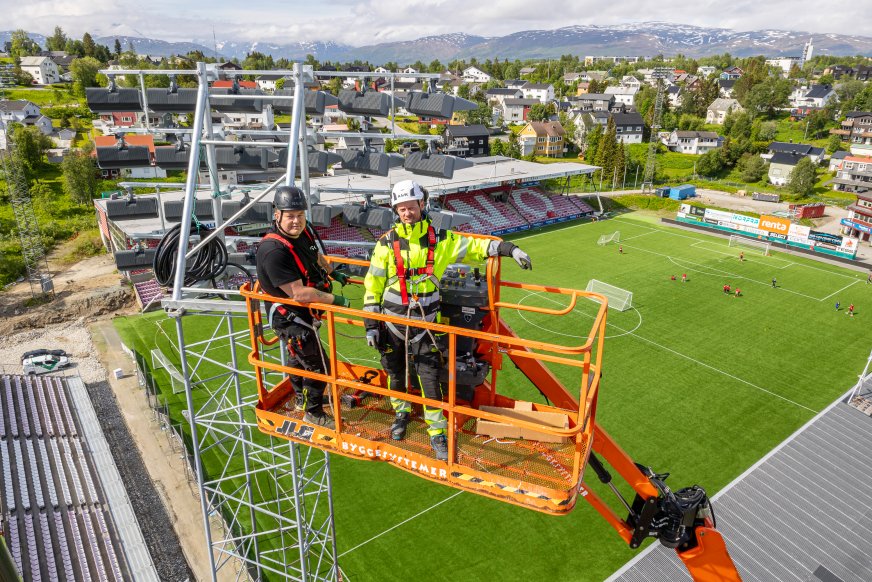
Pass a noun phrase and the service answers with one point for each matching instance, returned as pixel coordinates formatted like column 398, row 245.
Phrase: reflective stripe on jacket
column 382, row 284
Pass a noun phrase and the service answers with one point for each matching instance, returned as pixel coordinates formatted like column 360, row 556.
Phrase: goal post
column 619, row 299
column 609, row 238
column 749, row 243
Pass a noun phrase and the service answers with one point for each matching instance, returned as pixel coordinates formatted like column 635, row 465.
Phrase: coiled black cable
column 207, row 263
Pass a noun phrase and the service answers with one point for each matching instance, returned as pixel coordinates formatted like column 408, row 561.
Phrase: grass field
column 696, row 383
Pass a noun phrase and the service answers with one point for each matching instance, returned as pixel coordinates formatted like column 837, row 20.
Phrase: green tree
column 834, row 144
column 57, row 41
column 117, row 48
column 335, row 85
column 594, row 138
column 752, row 168
column 710, row 163
column 79, row 176
column 767, row 96
column 514, row 148
column 21, row 45
column 256, row 61
column 88, row 45
column 803, row 177
column 497, row 147
column 84, row 72
column 568, row 128
column 29, row 147
column 539, row 112
column 768, row 131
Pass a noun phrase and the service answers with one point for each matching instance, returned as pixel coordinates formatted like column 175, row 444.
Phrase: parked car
column 44, row 361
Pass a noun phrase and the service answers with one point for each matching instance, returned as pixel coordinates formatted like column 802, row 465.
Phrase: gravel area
column 156, row 525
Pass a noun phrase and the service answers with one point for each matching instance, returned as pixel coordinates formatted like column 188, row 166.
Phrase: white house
column 475, row 75
column 43, row 70
column 705, row 71
column 814, row 96
column 718, row 110
column 268, row 82
column 623, row 94
column 408, row 71
column 692, row 142
column 542, row 92
column 631, row 81
column 498, row 96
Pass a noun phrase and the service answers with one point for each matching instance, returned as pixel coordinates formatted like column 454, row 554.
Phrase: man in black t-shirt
column 289, row 265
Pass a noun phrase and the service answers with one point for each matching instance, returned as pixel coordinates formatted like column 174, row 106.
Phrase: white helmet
column 405, row 191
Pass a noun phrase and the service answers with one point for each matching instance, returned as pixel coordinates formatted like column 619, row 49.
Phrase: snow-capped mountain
column 635, row 39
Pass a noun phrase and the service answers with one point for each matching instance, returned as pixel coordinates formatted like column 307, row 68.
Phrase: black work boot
column 439, row 442
column 320, row 419
column 398, row 428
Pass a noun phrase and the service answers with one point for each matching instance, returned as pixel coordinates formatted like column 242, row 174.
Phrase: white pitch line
column 840, row 290
column 449, row 498
column 638, row 235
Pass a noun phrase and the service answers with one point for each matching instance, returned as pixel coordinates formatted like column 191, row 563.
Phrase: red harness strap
column 303, row 271
column 402, row 272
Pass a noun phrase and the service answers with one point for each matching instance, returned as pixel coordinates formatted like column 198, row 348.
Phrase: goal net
column 749, row 243
column 609, row 238
column 619, row 299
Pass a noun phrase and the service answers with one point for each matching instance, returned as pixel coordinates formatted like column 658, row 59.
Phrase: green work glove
column 341, row 301
column 340, row 277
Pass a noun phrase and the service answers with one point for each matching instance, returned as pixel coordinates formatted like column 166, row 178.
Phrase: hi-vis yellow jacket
column 415, row 244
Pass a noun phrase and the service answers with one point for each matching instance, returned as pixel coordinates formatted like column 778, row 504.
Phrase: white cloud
column 373, row 21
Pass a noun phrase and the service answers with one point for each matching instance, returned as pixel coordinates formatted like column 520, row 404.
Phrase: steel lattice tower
column 32, row 249
column 650, row 161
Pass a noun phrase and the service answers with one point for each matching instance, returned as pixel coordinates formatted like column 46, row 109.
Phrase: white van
column 44, row 361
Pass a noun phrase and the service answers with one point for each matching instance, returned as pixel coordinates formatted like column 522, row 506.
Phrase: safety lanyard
column 402, row 274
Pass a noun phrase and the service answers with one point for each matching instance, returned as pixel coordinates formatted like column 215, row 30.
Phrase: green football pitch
column 696, row 383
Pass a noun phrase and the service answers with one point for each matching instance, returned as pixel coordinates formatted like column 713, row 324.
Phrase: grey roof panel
column 802, row 513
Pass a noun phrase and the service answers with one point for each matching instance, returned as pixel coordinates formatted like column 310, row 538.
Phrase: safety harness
column 323, row 286
column 403, row 274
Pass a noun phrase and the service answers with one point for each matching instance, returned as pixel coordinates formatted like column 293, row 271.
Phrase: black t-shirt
column 276, row 266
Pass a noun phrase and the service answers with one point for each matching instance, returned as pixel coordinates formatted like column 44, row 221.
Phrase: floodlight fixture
column 367, row 162
column 435, row 165
column 365, row 102
column 323, row 214
column 439, row 105
column 236, row 105
column 318, row 161
column 171, row 99
column 367, row 215
column 315, row 102
column 112, row 99
column 447, row 219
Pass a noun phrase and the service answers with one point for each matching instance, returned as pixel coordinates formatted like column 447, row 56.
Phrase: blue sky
column 372, row 21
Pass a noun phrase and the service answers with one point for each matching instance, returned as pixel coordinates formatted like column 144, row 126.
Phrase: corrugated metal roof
column 802, row 513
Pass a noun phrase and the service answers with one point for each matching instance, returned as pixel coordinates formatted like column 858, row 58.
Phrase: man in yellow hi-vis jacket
column 403, row 279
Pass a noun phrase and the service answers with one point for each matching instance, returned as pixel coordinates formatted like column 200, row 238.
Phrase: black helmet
column 289, row 198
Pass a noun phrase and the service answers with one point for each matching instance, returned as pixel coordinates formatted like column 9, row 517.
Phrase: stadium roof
column 800, row 513
column 487, row 172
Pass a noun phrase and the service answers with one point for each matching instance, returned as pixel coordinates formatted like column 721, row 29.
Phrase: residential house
column 268, row 82
column 836, row 160
column 800, row 113
column 514, row 83
column 718, row 110
column 856, row 129
column 372, row 141
column 631, row 81
column 228, row 66
column 408, row 71
column 527, row 70
column 673, row 95
column 725, row 88
column 592, row 76
column 732, row 74
column 815, row 154
column 586, row 121
column 851, row 178
column 692, row 142
column 781, row 165
column 516, row 110
column 498, row 96
column 628, row 127
column 542, row 92
column 623, row 94
column 63, row 138
column 814, row 96
column 466, row 140
column 705, row 71
column 571, row 78
column 542, row 138
column 475, row 75
column 25, row 113
column 854, row 174
column 594, row 102
column 108, row 152
column 381, row 70
column 43, row 70
column 582, row 87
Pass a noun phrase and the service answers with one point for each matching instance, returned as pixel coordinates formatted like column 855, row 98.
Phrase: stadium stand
column 488, row 216
column 53, row 505
column 147, row 292
column 339, row 231
column 544, row 208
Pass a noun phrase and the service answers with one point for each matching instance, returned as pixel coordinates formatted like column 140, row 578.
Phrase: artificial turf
column 696, row 382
